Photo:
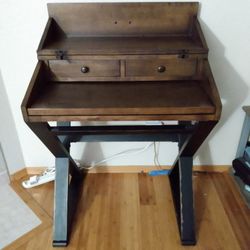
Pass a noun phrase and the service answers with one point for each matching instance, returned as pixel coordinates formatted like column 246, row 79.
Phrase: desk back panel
column 123, row 19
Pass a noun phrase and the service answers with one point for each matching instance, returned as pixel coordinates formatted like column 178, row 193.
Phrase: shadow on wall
column 232, row 88
column 92, row 151
column 8, row 135
column 3, row 164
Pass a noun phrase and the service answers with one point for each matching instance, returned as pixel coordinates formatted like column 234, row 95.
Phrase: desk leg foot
column 188, row 243
column 182, row 191
column 59, row 243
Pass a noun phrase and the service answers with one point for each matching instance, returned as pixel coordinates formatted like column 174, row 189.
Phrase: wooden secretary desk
column 122, row 62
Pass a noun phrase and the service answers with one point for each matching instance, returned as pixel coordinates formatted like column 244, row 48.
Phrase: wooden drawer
column 160, row 68
column 73, row 70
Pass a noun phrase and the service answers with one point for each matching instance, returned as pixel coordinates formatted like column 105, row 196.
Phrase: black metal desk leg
column 61, row 202
column 181, row 181
column 182, row 190
column 65, row 166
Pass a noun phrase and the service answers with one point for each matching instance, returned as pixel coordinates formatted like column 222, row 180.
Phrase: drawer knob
column 84, row 69
column 161, row 69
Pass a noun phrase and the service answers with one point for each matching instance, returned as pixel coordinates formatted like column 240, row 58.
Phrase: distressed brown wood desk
column 120, row 62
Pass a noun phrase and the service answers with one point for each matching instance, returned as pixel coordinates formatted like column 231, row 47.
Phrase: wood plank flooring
column 135, row 212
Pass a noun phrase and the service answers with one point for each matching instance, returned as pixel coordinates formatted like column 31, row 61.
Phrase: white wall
column 226, row 24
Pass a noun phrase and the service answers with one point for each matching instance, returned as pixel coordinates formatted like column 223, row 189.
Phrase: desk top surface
column 124, row 98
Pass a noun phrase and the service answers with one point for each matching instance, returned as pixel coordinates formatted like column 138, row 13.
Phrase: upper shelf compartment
column 120, row 28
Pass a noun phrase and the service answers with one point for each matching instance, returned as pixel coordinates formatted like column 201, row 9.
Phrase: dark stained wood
column 174, row 67
column 51, row 32
column 127, row 98
column 67, row 70
column 135, row 56
column 197, row 34
column 126, row 61
column 175, row 117
column 170, row 28
column 122, row 45
column 124, row 70
column 39, row 77
column 211, row 89
column 114, row 19
column 46, row 33
column 121, row 49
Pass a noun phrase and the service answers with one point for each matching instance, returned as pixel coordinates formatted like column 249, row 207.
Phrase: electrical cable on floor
column 49, row 174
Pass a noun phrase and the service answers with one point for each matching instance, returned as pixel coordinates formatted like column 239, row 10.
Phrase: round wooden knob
column 84, row 69
column 161, row 69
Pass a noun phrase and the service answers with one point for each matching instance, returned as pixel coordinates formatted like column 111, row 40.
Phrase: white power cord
column 156, row 155
column 49, row 174
column 120, row 154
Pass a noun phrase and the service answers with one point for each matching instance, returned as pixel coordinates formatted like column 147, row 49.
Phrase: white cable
column 120, row 154
column 156, row 155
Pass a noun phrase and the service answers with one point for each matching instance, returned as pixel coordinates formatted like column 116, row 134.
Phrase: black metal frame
column 57, row 139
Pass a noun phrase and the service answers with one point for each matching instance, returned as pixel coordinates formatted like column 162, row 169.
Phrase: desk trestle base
column 57, row 139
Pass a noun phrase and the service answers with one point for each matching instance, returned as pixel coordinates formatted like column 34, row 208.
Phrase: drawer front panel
column 63, row 69
column 160, row 68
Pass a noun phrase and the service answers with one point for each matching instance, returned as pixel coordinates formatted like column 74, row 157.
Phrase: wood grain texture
column 37, row 80
column 127, row 98
column 146, row 190
column 122, row 169
column 120, row 46
column 174, row 67
column 104, row 28
column 212, row 221
column 86, row 118
column 68, row 70
column 131, row 69
column 113, row 216
column 115, row 45
column 211, row 89
column 82, row 57
column 239, row 216
column 123, row 18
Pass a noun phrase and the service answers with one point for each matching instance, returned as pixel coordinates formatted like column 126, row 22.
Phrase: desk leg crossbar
column 67, row 190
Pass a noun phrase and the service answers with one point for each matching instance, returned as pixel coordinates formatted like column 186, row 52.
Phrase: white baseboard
column 138, row 169
column 122, row 169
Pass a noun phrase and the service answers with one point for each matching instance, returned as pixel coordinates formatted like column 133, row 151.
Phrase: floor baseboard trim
column 123, row 169
column 19, row 174
column 146, row 169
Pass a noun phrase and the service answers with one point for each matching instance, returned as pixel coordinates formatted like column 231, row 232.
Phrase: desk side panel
column 37, row 81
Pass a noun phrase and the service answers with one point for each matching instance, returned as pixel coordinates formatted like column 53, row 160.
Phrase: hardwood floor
column 135, row 211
